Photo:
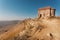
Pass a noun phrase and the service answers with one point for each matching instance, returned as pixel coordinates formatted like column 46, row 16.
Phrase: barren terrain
column 34, row 29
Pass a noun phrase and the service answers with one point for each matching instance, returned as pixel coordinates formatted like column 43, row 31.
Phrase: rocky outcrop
column 35, row 29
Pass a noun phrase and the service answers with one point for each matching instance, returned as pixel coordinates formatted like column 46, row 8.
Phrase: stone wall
column 46, row 12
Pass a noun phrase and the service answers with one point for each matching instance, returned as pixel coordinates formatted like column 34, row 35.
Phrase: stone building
column 46, row 12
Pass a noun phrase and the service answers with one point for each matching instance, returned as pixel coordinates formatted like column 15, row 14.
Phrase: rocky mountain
column 34, row 29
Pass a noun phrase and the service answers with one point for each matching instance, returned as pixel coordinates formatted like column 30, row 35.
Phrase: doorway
column 40, row 15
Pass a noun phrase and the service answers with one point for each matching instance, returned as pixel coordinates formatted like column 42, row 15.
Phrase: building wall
column 44, row 13
column 52, row 12
column 47, row 12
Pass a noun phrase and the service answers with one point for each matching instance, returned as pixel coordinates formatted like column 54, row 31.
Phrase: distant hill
column 6, row 25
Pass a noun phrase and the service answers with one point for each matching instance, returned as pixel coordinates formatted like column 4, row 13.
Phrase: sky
column 21, row 9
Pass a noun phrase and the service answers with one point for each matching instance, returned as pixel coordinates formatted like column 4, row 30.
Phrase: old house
column 46, row 12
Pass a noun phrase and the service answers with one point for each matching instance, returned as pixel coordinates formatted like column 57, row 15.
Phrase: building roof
column 48, row 7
